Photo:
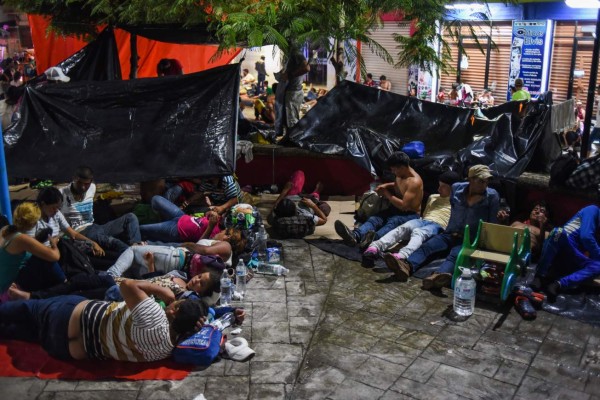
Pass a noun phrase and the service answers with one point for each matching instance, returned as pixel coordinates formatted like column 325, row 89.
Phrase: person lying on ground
column 177, row 226
column 571, row 254
column 469, row 202
column 405, row 195
column 73, row 327
column 538, row 224
column 434, row 220
column 78, row 209
column 101, row 286
column 148, row 258
column 217, row 193
column 15, row 247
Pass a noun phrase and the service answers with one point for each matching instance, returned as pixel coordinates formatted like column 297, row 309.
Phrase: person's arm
column 24, row 243
column 412, row 192
column 318, row 212
column 494, row 208
column 222, row 249
column 587, row 232
column 213, row 220
column 73, row 234
column 302, row 69
column 134, row 292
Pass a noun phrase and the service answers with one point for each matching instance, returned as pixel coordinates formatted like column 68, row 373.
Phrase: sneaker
column 400, row 268
column 437, row 281
column 345, row 233
column 368, row 239
column 369, row 257
column 552, row 291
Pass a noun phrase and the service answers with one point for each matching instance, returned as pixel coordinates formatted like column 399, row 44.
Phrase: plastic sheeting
column 128, row 131
column 51, row 49
column 368, row 124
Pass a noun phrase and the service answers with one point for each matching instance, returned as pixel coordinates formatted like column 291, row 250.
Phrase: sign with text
column 529, row 55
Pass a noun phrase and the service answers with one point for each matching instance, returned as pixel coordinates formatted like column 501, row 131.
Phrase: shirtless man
column 405, row 195
column 73, row 327
column 538, row 225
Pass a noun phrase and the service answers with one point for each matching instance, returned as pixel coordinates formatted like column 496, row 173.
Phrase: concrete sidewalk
column 332, row 329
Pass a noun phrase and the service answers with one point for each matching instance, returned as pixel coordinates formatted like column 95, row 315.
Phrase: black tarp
column 128, row 131
column 368, row 124
column 97, row 61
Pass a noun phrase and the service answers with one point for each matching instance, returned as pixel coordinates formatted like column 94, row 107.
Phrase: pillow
column 295, row 227
column 202, row 348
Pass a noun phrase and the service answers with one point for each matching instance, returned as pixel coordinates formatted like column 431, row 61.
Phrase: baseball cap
column 518, row 82
column 56, row 74
column 480, row 171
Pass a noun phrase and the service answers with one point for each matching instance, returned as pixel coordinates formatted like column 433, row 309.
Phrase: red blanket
column 28, row 359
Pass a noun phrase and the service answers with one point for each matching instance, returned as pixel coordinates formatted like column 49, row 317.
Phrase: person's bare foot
column 149, row 258
column 14, row 293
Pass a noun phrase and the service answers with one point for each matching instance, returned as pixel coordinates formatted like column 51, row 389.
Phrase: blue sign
column 529, row 55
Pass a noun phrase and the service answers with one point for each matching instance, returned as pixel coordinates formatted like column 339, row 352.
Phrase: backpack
column 370, row 204
column 72, row 260
column 202, row 348
column 562, row 168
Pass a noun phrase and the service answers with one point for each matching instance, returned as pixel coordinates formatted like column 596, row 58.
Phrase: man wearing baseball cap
column 470, row 202
column 520, row 93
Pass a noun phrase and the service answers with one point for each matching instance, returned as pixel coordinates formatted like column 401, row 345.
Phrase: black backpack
column 72, row 260
column 562, row 168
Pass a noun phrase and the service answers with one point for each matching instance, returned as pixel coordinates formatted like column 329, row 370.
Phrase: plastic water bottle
column 464, row 293
column 262, row 238
column 271, row 269
column 225, row 289
column 241, row 273
column 225, row 321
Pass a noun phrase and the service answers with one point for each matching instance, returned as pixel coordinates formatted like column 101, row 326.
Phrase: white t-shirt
column 210, row 242
column 80, row 214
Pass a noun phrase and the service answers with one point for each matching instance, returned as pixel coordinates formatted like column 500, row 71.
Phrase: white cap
column 56, row 74
column 238, row 350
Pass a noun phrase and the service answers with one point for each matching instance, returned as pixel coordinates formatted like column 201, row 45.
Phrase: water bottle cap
column 466, row 272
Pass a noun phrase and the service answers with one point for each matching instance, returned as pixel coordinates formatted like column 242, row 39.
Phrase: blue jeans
column 383, row 222
column 173, row 193
column 562, row 259
column 441, row 245
column 163, row 231
column 38, row 274
column 105, row 235
column 42, row 321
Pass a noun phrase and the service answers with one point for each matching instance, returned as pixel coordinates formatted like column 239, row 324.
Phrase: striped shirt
column 58, row 223
column 226, row 189
column 112, row 331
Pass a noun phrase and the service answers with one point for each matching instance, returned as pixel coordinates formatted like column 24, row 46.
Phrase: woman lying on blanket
column 144, row 259
column 205, row 285
column 15, row 245
column 178, row 227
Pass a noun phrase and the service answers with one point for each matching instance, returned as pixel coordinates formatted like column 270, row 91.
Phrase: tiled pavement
column 332, row 329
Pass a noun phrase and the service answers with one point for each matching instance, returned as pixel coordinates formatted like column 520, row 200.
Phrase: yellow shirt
column 437, row 210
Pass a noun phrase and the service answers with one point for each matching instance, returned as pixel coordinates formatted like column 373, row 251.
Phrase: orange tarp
column 51, row 49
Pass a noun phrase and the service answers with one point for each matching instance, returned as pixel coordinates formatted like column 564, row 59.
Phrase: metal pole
column 487, row 62
column 589, row 107
column 4, row 193
column 134, row 56
column 572, row 68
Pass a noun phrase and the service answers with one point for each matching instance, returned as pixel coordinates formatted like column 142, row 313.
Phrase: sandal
column 524, row 308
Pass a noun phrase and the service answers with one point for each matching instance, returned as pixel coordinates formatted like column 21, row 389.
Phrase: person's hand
column 239, row 314
column 213, row 217
column 381, row 191
column 200, row 323
column 53, row 241
column 502, row 215
column 149, row 259
column 97, row 250
column 217, row 209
